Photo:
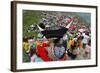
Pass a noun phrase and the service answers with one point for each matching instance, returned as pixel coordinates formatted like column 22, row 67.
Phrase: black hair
column 89, row 42
column 25, row 39
column 56, row 40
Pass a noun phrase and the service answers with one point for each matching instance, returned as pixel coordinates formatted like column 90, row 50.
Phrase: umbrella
column 57, row 33
column 81, row 30
column 72, row 27
column 68, row 20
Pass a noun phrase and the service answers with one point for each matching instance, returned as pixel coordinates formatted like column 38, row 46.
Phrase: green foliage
column 29, row 18
column 26, row 57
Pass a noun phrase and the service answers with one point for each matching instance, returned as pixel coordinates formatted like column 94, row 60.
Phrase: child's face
column 40, row 40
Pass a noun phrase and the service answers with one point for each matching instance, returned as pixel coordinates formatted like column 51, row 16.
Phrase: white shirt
column 85, row 39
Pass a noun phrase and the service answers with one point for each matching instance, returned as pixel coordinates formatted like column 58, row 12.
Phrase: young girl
column 41, row 49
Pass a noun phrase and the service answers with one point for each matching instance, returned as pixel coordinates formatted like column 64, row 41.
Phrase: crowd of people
column 60, row 37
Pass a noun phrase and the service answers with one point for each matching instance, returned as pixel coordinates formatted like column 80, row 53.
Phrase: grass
column 30, row 17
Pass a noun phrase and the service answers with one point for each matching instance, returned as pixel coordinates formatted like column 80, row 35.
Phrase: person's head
column 80, row 38
column 40, row 37
column 25, row 39
column 87, row 33
column 89, row 42
column 56, row 40
column 32, row 52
